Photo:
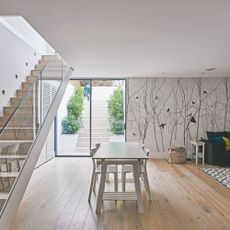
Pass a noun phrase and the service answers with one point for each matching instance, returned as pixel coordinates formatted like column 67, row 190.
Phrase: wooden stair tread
column 13, row 156
column 4, row 195
column 9, row 174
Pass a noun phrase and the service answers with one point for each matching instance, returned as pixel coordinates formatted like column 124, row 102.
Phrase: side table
column 199, row 154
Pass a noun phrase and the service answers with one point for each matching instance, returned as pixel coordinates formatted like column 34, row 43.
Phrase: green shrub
column 73, row 121
column 70, row 125
column 75, row 104
column 116, row 111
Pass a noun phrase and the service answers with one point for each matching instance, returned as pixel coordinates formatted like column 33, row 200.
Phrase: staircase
column 23, row 129
column 100, row 126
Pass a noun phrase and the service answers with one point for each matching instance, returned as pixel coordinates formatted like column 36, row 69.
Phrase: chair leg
column 146, row 181
column 107, row 177
column 123, row 178
column 94, row 182
column 115, row 181
column 91, row 185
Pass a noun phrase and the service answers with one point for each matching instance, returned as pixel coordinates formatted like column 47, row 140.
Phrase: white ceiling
column 133, row 37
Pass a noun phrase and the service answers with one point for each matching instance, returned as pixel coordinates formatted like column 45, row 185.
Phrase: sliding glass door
column 91, row 112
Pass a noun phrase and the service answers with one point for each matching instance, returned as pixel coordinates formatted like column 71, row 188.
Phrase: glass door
column 107, row 116
column 91, row 112
column 73, row 120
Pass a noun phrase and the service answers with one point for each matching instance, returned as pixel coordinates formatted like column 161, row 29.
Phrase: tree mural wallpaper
column 166, row 112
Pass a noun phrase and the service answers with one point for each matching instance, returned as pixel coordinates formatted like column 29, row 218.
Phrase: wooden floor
column 182, row 198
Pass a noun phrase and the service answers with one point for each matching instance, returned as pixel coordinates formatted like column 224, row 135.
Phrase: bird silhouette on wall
column 168, row 110
column 193, row 102
column 205, row 92
column 162, row 125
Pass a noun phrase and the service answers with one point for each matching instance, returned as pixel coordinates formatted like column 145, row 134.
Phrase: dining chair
column 97, row 170
column 142, row 146
column 142, row 171
column 98, row 146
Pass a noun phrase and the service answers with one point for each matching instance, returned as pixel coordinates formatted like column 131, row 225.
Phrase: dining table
column 120, row 153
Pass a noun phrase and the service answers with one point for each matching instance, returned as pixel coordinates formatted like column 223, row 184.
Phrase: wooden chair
column 97, row 170
column 143, row 174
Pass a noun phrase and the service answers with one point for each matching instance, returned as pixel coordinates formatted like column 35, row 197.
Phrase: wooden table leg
column 137, row 188
column 101, row 186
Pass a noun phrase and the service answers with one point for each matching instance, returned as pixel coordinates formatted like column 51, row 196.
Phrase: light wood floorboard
column 183, row 198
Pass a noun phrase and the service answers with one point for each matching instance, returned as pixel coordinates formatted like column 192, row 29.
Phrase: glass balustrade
column 23, row 119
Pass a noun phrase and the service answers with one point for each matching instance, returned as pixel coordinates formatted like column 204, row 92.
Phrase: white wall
column 19, row 43
column 23, row 30
column 14, row 55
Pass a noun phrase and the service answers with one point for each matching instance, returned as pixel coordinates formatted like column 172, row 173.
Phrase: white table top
column 197, row 142
column 120, row 150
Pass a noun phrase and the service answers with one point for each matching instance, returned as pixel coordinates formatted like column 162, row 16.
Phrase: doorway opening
column 92, row 111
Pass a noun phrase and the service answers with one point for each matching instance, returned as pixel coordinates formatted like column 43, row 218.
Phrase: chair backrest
column 142, row 146
column 98, row 146
column 147, row 151
column 93, row 151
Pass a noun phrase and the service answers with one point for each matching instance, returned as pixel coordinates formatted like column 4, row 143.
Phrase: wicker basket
column 177, row 155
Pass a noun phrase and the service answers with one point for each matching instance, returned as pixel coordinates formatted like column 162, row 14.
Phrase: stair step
column 86, row 144
column 31, row 79
column 9, row 174
column 16, row 134
column 50, row 62
column 20, row 111
column 47, row 73
column 26, row 85
column 85, row 135
column 50, row 57
column 22, row 92
column 14, row 101
column 23, row 121
column 4, row 195
column 106, row 127
column 98, row 130
column 94, row 139
column 13, row 156
column 50, row 66
column 4, row 143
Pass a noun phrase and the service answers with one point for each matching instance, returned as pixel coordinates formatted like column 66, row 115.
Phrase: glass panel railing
column 24, row 118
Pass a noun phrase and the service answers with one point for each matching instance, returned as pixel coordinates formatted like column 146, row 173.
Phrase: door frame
column 90, row 114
